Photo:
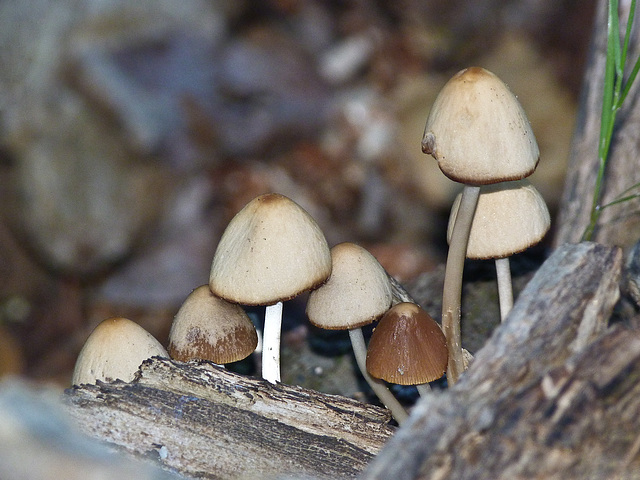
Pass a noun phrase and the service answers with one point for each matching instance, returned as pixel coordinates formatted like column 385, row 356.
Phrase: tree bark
column 619, row 224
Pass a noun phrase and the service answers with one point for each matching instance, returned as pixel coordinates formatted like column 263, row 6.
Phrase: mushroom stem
column 271, row 343
column 452, row 293
column 505, row 290
column 424, row 389
column 378, row 387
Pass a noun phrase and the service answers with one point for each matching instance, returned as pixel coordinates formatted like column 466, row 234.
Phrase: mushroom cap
column 210, row 328
column 114, row 350
column 357, row 292
column 510, row 217
column 271, row 251
column 407, row 347
column 478, row 131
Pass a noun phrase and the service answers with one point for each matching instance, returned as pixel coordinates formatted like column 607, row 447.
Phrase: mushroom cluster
column 480, row 135
column 271, row 251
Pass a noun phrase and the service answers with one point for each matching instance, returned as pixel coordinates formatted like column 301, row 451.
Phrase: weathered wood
column 543, row 398
column 212, row 423
column 619, row 224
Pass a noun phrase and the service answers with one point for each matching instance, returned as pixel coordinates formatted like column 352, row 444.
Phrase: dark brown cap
column 407, row 347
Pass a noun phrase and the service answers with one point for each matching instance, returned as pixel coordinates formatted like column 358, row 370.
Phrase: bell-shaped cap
column 271, row 251
column 407, row 347
column 114, row 350
column 207, row 327
column 478, row 131
column 357, row 292
column 510, row 217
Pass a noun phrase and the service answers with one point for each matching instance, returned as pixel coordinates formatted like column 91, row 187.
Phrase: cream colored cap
column 357, row 292
column 478, row 131
column 272, row 250
column 114, row 350
column 510, row 217
column 209, row 328
column 407, row 347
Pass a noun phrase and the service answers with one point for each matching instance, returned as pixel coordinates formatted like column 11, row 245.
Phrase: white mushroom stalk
column 271, row 342
column 505, row 288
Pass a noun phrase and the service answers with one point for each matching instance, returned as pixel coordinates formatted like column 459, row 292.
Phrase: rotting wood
column 212, row 423
column 551, row 395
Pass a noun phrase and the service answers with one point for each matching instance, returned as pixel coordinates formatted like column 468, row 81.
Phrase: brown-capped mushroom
column 407, row 347
column 271, row 251
column 207, row 327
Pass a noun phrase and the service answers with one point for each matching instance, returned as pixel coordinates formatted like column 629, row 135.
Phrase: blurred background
column 132, row 132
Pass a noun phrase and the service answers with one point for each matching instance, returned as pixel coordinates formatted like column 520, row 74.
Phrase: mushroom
column 114, row 350
column 271, row 251
column 479, row 134
column 510, row 217
column 357, row 293
column 207, row 327
column 407, row 347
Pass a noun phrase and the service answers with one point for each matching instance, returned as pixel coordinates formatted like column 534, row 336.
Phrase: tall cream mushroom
column 510, row 217
column 114, row 350
column 207, row 327
column 271, row 251
column 407, row 348
column 357, row 293
column 479, row 134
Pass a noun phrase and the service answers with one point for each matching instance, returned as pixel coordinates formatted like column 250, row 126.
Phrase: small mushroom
column 115, row 350
column 479, row 134
column 407, row 347
column 510, row 217
column 271, row 251
column 207, row 327
column 357, row 293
